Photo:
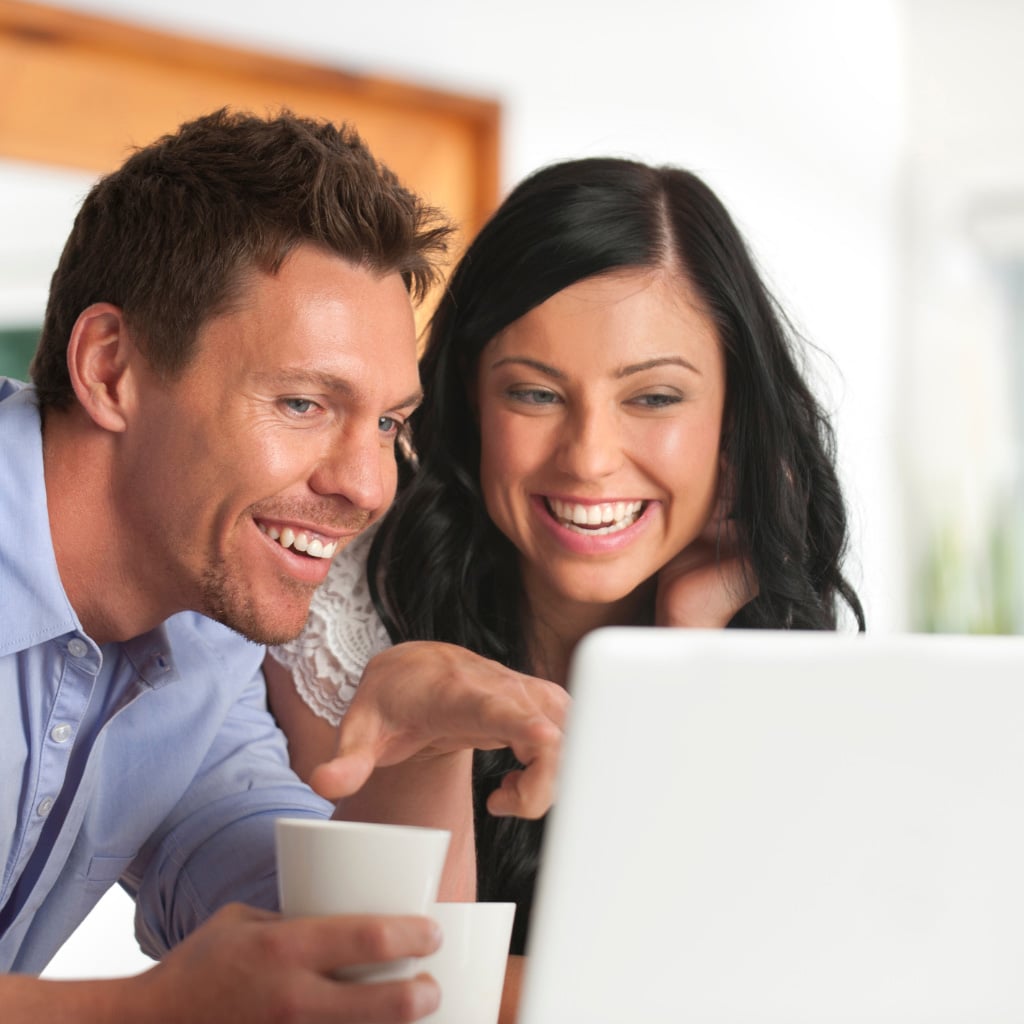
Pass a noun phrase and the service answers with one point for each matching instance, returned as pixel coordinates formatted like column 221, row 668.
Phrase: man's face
column 275, row 447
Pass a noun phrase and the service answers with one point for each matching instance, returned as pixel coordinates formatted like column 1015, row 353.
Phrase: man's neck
column 99, row 568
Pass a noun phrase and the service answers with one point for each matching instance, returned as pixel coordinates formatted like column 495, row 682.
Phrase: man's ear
column 100, row 363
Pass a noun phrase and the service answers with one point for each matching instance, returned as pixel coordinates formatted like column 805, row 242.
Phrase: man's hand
column 426, row 700
column 249, row 966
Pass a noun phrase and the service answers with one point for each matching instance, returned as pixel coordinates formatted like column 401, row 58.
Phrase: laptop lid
column 785, row 827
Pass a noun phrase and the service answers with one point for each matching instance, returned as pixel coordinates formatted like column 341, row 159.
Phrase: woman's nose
column 592, row 446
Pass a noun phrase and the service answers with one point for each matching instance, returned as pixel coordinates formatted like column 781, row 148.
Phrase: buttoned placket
column 80, row 670
column 81, row 666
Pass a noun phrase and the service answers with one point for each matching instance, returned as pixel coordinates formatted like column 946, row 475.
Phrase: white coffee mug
column 349, row 867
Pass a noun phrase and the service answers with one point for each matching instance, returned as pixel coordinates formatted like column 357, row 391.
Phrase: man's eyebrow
column 414, row 399
column 330, row 382
column 305, row 379
column 535, row 364
column 650, row 364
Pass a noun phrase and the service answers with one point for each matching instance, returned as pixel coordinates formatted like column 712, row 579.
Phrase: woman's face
column 600, row 423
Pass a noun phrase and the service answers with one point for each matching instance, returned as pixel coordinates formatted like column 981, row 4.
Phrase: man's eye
column 300, row 405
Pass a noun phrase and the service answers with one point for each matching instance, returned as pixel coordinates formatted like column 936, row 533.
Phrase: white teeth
column 596, row 519
column 288, row 538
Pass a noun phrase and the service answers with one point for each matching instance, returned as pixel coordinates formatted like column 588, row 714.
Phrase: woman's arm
column 311, row 738
column 403, row 753
column 434, row 792
column 510, row 994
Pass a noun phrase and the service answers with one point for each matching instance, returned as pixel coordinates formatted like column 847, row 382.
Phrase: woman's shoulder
column 342, row 633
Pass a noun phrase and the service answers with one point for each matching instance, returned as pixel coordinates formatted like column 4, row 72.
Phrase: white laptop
column 785, row 827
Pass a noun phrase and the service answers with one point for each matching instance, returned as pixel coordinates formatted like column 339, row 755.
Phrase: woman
column 615, row 431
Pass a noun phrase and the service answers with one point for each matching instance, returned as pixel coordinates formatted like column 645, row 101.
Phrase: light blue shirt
column 153, row 763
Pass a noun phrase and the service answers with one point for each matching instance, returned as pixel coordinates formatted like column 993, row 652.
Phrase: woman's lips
column 595, row 518
column 605, row 528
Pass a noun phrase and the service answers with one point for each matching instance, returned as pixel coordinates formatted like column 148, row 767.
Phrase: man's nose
column 354, row 469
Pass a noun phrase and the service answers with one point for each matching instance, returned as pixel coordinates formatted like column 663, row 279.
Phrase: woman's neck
column 555, row 627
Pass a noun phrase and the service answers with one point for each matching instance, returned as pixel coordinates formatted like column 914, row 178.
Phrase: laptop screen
column 785, row 827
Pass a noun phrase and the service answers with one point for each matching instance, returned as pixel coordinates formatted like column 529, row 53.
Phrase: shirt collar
column 29, row 580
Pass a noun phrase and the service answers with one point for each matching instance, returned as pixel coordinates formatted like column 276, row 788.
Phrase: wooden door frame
column 80, row 91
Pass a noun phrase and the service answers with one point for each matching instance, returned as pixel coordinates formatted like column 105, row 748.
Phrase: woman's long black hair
column 440, row 570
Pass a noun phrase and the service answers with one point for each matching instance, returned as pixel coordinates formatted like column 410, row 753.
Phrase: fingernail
column 427, row 995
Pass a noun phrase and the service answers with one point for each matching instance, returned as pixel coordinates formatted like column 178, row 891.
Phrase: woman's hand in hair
column 709, row 581
column 424, row 701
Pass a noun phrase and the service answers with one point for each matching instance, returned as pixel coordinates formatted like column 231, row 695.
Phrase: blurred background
column 872, row 154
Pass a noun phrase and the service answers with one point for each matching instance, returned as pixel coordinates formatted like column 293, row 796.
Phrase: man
column 227, row 358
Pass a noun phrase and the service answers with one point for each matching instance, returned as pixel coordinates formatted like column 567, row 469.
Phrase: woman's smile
column 594, row 518
column 590, row 530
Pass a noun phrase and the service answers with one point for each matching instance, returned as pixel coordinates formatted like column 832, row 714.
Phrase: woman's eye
column 389, row 425
column 533, row 396
column 656, row 400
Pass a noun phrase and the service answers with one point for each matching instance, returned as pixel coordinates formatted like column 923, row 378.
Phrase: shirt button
column 60, row 733
column 77, row 648
column 44, row 806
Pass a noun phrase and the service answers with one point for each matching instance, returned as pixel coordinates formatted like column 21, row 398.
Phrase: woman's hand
column 424, row 701
column 709, row 581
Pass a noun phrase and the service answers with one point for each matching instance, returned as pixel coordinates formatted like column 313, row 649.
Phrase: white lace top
column 342, row 634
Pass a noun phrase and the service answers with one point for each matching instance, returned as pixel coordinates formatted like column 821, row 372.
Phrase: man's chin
column 269, row 626
column 269, row 630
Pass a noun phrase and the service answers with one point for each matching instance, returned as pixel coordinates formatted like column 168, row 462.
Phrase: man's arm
column 249, row 966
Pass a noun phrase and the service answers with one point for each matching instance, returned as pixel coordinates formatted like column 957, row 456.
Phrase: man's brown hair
column 171, row 234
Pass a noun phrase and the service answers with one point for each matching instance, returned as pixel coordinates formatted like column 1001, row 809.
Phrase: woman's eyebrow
column 650, row 364
column 535, row 364
column 625, row 371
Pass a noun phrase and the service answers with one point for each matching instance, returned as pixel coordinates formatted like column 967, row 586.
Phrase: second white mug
column 470, row 965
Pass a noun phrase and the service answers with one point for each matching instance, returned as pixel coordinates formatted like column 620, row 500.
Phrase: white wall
column 960, row 433
column 792, row 110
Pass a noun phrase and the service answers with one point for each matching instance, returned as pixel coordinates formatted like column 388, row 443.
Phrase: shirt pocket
column 105, row 870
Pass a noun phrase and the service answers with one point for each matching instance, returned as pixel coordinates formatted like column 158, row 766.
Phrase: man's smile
column 302, row 541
